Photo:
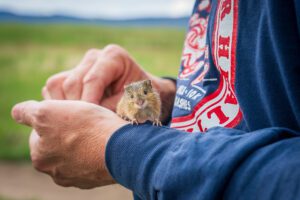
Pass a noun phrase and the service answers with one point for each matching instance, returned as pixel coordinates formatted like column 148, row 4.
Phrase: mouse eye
column 145, row 92
column 131, row 96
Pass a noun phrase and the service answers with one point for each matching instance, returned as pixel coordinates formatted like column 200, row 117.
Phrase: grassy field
column 31, row 53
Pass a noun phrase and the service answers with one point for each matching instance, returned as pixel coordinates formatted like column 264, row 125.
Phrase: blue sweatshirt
column 238, row 94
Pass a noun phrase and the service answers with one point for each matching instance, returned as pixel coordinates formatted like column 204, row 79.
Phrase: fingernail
column 16, row 113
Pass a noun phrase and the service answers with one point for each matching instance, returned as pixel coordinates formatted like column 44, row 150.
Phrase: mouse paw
column 124, row 117
column 156, row 122
column 134, row 121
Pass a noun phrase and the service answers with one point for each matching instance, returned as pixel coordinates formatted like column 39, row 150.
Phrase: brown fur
column 127, row 107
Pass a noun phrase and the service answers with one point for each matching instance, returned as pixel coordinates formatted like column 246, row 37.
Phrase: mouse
column 140, row 103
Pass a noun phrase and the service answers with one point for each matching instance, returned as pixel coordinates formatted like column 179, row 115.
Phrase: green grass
column 4, row 198
column 31, row 53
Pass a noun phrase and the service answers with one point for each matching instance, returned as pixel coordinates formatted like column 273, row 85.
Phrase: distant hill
column 170, row 22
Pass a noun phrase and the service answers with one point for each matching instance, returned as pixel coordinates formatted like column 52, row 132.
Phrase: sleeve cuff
column 134, row 152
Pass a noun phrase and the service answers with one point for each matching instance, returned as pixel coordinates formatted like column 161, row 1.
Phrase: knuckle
column 62, row 182
column 113, row 50
column 40, row 113
column 92, row 53
column 41, row 110
column 60, row 177
column 52, row 83
column 90, row 79
column 69, row 84
column 56, row 173
column 37, row 163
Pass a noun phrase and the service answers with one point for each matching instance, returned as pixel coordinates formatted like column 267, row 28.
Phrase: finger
column 104, row 72
column 65, row 182
column 54, row 85
column 38, row 157
column 33, row 142
column 72, row 86
column 111, row 102
column 45, row 93
column 23, row 113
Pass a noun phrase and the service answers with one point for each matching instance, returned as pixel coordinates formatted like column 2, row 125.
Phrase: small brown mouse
column 140, row 103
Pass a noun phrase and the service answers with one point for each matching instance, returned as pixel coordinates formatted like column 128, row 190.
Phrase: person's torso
column 239, row 67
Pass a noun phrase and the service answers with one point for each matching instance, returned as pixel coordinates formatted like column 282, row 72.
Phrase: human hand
column 69, row 140
column 100, row 77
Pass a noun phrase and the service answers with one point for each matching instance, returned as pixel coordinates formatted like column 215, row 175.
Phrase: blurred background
column 39, row 38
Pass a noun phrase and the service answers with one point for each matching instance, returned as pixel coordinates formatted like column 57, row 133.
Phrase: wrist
column 115, row 124
column 106, row 128
column 106, row 173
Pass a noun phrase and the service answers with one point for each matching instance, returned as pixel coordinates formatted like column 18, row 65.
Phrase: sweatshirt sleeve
column 297, row 12
column 163, row 163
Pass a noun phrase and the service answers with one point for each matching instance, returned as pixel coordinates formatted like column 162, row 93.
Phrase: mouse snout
column 140, row 102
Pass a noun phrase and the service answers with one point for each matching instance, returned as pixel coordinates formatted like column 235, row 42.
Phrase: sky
column 113, row 9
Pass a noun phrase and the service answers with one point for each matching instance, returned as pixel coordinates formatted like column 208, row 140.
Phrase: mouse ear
column 148, row 83
column 128, row 88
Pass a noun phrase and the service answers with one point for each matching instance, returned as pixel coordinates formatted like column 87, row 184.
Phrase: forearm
column 135, row 173
column 161, row 163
